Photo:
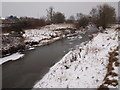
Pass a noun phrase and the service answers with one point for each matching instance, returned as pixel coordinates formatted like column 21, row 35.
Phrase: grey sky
column 38, row 9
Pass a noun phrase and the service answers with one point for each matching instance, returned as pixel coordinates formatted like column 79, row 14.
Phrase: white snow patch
column 31, row 48
column 14, row 56
column 2, row 18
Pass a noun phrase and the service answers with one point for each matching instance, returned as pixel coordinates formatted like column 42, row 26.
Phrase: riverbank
column 12, row 57
column 48, row 34
column 87, row 66
column 26, row 71
column 11, row 44
column 34, row 37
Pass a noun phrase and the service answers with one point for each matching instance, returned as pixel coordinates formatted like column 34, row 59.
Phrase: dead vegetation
column 113, row 60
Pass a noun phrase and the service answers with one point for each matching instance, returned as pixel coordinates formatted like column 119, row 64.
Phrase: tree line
column 102, row 15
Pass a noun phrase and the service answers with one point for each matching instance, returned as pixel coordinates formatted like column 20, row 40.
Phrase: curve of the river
column 25, row 72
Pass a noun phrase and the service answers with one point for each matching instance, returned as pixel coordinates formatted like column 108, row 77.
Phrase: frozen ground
column 84, row 67
column 14, row 56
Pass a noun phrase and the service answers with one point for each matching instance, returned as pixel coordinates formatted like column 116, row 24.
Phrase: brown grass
column 103, row 87
column 110, row 67
column 113, row 74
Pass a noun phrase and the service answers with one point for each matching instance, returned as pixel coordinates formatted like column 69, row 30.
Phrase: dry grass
column 110, row 68
column 113, row 74
column 103, row 87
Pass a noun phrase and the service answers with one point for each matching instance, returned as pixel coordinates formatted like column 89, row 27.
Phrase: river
column 25, row 72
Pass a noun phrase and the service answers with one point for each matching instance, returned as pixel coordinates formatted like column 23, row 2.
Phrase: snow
column 84, row 67
column 91, row 27
column 31, row 48
column 59, row 26
column 9, row 41
column 14, row 56
column 2, row 18
column 42, row 36
column 116, row 26
column 74, row 37
column 47, row 33
column 38, row 35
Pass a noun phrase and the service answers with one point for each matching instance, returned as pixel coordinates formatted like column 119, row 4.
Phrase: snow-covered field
column 14, row 56
column 84, row 67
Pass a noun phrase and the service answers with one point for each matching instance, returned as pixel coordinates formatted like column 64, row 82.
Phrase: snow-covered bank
column 59, row 26
column 11, row 44
column 48, row 34
column 111, row 78
column 37, row 35
column 84, row 67
column 14, row 56
column 33, row 37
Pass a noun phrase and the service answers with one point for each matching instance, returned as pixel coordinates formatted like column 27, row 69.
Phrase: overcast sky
column 38, row 9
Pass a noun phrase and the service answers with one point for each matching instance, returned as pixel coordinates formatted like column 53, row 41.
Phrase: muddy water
column 25, row 72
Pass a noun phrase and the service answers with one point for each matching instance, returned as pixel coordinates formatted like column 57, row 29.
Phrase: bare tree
column 50, row 13
column 94, row 15
column 103, row 15
column 82, row 20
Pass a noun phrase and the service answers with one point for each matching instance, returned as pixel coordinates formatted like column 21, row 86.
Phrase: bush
column 24, row 23
column 31, row 23
column 83, row 22
column 103, row 15
column 58, row 18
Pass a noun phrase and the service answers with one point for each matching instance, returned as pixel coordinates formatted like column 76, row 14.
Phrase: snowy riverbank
column 84, row 67
column 47, row 34
column 33, row 37
column 12, row 57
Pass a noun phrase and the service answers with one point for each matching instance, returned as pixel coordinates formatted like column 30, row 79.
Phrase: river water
column 25, row 72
